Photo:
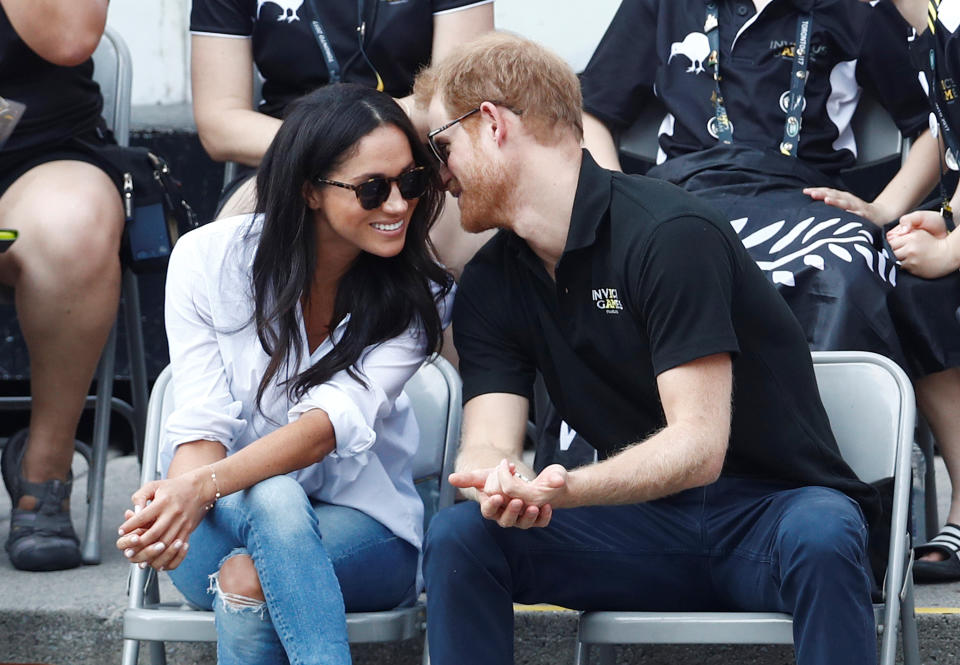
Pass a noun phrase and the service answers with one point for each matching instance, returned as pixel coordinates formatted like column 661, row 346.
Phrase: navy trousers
column 735, row 545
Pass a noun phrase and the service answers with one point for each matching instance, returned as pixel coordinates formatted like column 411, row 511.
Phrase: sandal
column 42, row 538
column 948, row 570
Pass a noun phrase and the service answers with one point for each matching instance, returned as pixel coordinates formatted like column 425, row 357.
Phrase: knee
column 238, row 577
column 277, row 508
column 455, row 532
column 828, row 531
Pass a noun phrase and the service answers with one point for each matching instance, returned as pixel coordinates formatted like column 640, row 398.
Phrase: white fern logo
column 799, row 247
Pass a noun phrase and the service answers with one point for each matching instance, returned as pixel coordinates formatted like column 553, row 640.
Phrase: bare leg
column 65, row 271
column 938, row 396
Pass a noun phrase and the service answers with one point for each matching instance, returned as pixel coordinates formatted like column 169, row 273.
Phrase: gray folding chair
column 112, row 71
column 872, row 412
column 878, row 140
column 435, row 394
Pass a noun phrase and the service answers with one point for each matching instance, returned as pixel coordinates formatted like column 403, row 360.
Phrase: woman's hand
column 165, row 513
column 849, row 202
column 923, row 246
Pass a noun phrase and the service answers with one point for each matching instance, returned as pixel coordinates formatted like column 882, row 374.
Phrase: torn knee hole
column 237, row 578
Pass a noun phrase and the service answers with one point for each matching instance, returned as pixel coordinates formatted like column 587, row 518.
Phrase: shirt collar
column 589, row 205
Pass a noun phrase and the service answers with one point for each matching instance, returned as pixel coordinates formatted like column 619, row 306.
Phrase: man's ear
column 311, row 195
column 498, row 124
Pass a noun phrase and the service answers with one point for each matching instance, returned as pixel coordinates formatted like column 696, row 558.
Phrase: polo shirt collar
column 590, row 204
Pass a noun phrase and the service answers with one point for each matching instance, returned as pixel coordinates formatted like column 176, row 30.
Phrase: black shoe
column 43, row 538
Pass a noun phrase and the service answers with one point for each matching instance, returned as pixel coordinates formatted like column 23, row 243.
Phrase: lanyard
column 333, row 65
column 946, row 131
column 798, row 80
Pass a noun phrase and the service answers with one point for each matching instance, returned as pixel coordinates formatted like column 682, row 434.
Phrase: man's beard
column 485, row 203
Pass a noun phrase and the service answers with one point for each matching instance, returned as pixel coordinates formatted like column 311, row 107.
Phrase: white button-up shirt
column 218, row 362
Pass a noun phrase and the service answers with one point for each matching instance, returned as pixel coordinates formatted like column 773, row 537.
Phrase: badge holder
column 7, row 236
column 10, row 114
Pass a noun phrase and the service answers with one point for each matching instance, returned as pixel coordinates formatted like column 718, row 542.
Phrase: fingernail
column 120, row 531
column 128, row 553
column 137, row 508
column 158, row 547
column 142, row 564
column 134, row 539
column 186, row 546
column 177, row 544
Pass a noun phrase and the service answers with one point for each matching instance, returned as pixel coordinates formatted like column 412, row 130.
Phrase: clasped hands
column 919, row 241
column 511, row 500
column 165, row 512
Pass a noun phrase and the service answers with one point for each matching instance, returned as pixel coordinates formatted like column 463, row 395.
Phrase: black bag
column 155, row 211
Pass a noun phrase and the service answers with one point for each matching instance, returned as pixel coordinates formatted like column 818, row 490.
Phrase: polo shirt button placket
column 743, row 10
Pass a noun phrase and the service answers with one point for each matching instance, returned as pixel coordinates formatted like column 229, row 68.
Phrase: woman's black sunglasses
column 372, row 193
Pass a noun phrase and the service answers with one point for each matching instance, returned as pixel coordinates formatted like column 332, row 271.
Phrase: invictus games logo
column 607, row 300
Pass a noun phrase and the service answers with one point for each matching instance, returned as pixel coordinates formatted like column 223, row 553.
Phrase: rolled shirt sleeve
column 204, row 408
column 355, row 408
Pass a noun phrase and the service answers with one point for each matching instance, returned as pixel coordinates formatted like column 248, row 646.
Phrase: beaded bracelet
column 216, row 486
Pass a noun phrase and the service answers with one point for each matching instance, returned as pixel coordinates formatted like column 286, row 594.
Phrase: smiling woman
column 292, row 333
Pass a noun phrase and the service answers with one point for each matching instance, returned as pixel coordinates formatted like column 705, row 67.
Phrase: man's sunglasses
column 372, row 193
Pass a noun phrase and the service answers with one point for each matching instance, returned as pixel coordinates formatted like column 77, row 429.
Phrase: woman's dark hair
column 383, row 296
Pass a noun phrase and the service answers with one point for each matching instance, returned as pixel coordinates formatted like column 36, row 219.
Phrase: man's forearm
column 674, row 459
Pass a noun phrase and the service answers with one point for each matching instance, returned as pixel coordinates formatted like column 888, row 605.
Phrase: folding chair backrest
column 863, row 402
column 113, row 72
column 877, row 136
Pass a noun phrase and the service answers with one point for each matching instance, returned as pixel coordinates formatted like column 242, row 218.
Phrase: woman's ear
column 311, row 195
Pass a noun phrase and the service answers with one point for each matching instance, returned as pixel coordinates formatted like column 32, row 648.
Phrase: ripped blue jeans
column 315, row 562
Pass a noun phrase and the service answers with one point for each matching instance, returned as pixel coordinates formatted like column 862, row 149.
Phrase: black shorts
column 82, row 148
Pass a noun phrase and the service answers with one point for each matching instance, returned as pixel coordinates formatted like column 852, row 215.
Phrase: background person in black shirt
column 825, row 256
column 646, row 317
column 65, row 266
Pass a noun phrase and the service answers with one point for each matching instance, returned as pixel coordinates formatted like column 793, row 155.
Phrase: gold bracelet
column 216, row 486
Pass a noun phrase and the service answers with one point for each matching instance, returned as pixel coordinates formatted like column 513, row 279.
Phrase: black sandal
column 946, row 542
column 42, row 538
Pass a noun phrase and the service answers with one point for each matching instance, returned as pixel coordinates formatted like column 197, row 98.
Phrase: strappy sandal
column 946, row 542
column 42, row 538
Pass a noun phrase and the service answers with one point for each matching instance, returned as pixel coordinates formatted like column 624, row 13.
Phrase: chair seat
column 177, row 622
column 686, row 628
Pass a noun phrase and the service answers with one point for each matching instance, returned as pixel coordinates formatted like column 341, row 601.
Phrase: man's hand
column 849, row 202
column 495, row 492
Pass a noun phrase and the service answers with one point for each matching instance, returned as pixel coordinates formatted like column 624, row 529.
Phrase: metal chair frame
column 850, row 407
column 113, row 72
column 439, row 416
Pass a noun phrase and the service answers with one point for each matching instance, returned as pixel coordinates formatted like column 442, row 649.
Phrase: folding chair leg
column 582, row 656
column 158, row 655
column 426, row 650
column 926, row 442
column 908, row 625
column 136, row 356
column 101, row 438
column 131, row 652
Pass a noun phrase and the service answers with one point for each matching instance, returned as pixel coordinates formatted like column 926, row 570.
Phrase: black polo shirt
column 650, row 279
column 660, row 45
column 944, row 42
column 398, row 40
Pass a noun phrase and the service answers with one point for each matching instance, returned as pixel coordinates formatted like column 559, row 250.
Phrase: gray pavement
column 74, row 617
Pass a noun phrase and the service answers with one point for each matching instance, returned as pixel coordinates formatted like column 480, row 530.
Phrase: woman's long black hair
column 384, row 296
